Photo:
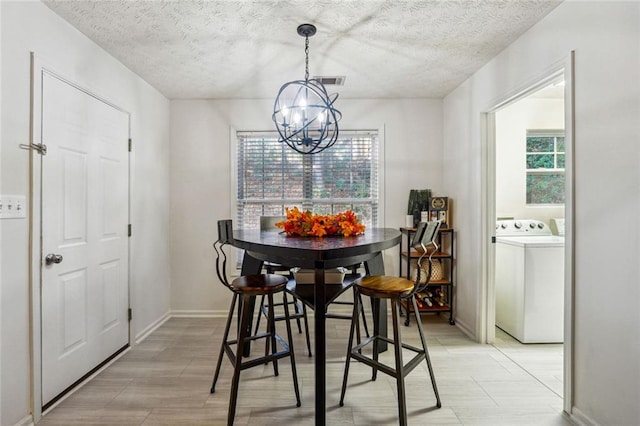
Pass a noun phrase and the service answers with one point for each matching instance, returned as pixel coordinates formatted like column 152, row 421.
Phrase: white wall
column 0, row 232
column 512, row 124
column 200, row 177
column 606, row 40
column 31, row 26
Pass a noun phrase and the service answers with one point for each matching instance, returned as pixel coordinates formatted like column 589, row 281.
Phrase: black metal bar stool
column 247, row 288
column 267, row 223
column 396, row 289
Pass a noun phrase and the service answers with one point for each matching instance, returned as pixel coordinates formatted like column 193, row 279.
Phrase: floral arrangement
column 307, row 224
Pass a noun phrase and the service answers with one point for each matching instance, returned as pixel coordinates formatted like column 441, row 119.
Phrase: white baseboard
column 580, row 418
column 338, row 309
column 199, row 314
column 151, row 328
column 26, row 421
column 466, row 330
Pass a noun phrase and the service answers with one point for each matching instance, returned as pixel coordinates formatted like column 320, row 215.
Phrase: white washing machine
column 529, row 281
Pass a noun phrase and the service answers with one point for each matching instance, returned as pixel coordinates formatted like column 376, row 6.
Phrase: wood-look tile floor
column 165, row 380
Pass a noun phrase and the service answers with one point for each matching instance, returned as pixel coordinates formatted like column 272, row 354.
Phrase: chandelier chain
column 306, row 61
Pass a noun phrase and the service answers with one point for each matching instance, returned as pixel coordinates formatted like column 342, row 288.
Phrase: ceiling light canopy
column 303, row 111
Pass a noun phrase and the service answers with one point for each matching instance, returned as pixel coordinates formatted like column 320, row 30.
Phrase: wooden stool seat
column 384, row 287
column 260, row 284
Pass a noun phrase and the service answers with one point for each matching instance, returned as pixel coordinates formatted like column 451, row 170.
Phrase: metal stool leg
column 364, row 318
column 397, row 345
column 237, row 367
column 376, row 333
column 306, row 328
column 296, row 309
column 271, row 329
column 426, row 353
column 224, row 342
column 260, row 310
column 294, row 372
column 354, row 323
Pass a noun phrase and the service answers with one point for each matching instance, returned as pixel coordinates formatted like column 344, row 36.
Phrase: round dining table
column 319, row 254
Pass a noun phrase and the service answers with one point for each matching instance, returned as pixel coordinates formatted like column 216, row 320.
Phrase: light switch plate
column 13, row 206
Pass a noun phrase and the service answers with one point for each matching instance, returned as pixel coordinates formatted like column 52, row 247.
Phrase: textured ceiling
column 247, row 49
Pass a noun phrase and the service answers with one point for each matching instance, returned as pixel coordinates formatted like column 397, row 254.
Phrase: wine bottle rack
column 438, row 297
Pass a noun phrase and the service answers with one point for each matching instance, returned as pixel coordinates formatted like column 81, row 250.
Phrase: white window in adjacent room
column 271, row 176
column 545, row 158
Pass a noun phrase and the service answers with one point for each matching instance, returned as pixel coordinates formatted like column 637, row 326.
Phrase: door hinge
column 130, row 144
column 40, row 147
column 130, row 313
column 129, row 229
column 493, row 240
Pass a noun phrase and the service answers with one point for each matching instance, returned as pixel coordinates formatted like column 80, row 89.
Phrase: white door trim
column 569, row 213
column 38, row 68
column 486, row 317
column 35, row 239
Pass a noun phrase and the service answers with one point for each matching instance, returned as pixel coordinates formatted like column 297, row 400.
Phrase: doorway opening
column 528, row 176
column 529, row 260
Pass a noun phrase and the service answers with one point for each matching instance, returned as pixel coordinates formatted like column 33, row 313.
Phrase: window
column 271, row 177
column 545, row 167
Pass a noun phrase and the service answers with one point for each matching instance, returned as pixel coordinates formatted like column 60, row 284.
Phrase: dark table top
column 313, row 252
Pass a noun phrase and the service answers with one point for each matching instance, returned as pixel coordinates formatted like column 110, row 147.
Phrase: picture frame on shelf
column 440, row 209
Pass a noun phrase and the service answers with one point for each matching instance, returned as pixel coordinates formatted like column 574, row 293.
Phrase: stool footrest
column 231, row 354
column 292, row 315
column 406, row 368
column 370, row 340
column 263, row 359
column 251, row 338
column 337, row 316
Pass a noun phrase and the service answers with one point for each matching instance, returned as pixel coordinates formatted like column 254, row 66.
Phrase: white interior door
column 85, row 181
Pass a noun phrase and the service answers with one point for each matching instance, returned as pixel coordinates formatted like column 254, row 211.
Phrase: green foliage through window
column 545, row 188
column 545, row 162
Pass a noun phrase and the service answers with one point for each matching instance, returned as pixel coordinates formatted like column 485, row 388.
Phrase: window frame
column 552, row 133
column 233, row 196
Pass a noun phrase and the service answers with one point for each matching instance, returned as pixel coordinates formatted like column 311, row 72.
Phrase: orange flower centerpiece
column 307, row 224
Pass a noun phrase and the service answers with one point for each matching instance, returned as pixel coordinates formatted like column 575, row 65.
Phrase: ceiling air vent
column 331, row 81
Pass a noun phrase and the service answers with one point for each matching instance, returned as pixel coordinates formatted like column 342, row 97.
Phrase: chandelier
column 303, row 111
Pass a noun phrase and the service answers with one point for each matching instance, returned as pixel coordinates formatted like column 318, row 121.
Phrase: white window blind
column 271, row 176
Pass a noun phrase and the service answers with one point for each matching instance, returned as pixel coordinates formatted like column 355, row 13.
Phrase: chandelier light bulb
column 321, row 119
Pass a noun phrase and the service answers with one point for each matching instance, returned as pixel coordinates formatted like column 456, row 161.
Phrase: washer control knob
column 518, row 225
column 541, row 225
column 503, row 226
column 532, row 225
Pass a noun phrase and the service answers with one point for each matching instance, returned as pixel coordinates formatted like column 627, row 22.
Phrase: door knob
column 52, row 258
